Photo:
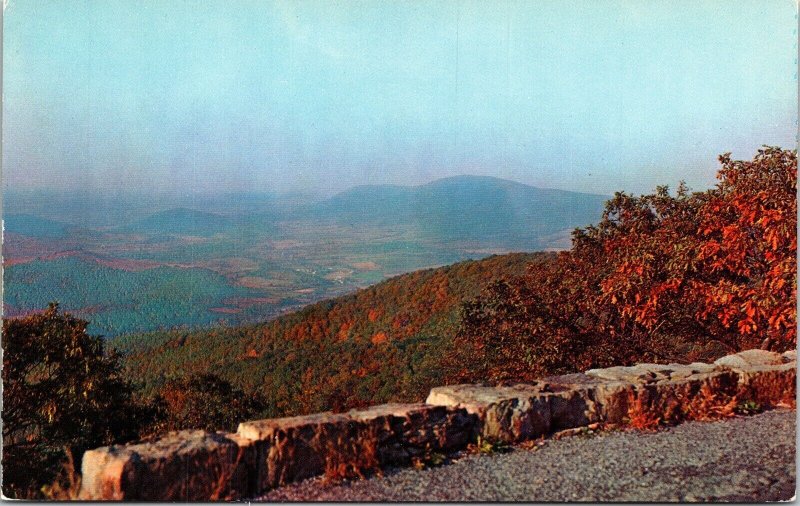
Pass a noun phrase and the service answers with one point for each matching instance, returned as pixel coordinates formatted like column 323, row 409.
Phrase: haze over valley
column 193, row 163
column 236, row 258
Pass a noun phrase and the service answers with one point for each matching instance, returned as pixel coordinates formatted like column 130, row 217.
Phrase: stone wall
column 195, row 465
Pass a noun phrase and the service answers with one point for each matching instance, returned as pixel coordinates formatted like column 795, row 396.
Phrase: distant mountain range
column 478, row 210
column 263, row 256
column 465, row 208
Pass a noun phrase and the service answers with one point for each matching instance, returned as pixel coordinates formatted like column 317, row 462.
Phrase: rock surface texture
column 190, row 465
column 694, row 461
column 265, row 454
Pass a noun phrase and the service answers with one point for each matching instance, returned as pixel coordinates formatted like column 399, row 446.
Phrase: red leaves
column 718, row 265
column 753, row 216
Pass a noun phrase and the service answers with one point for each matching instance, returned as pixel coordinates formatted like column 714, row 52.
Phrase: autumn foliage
column 661, row 278
column 381, row 344
column 202, row 401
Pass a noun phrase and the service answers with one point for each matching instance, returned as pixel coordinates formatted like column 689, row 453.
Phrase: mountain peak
column 466, row 208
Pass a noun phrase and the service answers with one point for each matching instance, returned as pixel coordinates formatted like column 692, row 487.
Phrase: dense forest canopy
column 379, row 344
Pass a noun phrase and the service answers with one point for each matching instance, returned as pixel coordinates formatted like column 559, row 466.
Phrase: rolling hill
column 117, row 300
column 478, row 209
column 382, row 343
column 34, row 226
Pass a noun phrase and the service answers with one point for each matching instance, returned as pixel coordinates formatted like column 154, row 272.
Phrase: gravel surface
column 747, row 459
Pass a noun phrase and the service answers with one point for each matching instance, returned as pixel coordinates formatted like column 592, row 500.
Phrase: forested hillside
column 379, row 344
column 117, row 300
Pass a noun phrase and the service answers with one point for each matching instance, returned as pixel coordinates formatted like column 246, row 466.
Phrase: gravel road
column 747, row 459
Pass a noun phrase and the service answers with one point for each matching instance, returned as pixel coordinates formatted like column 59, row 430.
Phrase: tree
column 749, row 233
column 61, row 393
column 660, row 278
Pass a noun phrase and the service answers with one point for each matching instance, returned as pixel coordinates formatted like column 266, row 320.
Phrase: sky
column 278, row 96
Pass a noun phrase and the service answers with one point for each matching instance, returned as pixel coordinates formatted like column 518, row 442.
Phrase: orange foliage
column 379, row 337
column 660, row 278
column 344, row 331
column 749, row 244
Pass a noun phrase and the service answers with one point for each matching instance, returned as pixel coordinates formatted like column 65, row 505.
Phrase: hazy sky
column 238, row 95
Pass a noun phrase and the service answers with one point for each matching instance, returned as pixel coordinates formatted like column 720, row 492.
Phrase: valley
column 246, row 258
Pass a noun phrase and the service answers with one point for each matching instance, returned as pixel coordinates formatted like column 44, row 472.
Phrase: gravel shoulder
column 745, row 459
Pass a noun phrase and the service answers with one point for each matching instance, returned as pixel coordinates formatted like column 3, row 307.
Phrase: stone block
column 295, row 448
column 702, row 367
column 518, row 418
column 750, row 358
column 519, row 412
column 650, row 373
column 680, row 371
column 630, row 374
column 477, row 398
column 572, row 408
column 768, row 385
column 181, row 466
column 682, row 398
column 611, row 400
column 404, row 431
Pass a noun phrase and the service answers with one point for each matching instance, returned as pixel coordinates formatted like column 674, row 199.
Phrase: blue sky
column 323, row 95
